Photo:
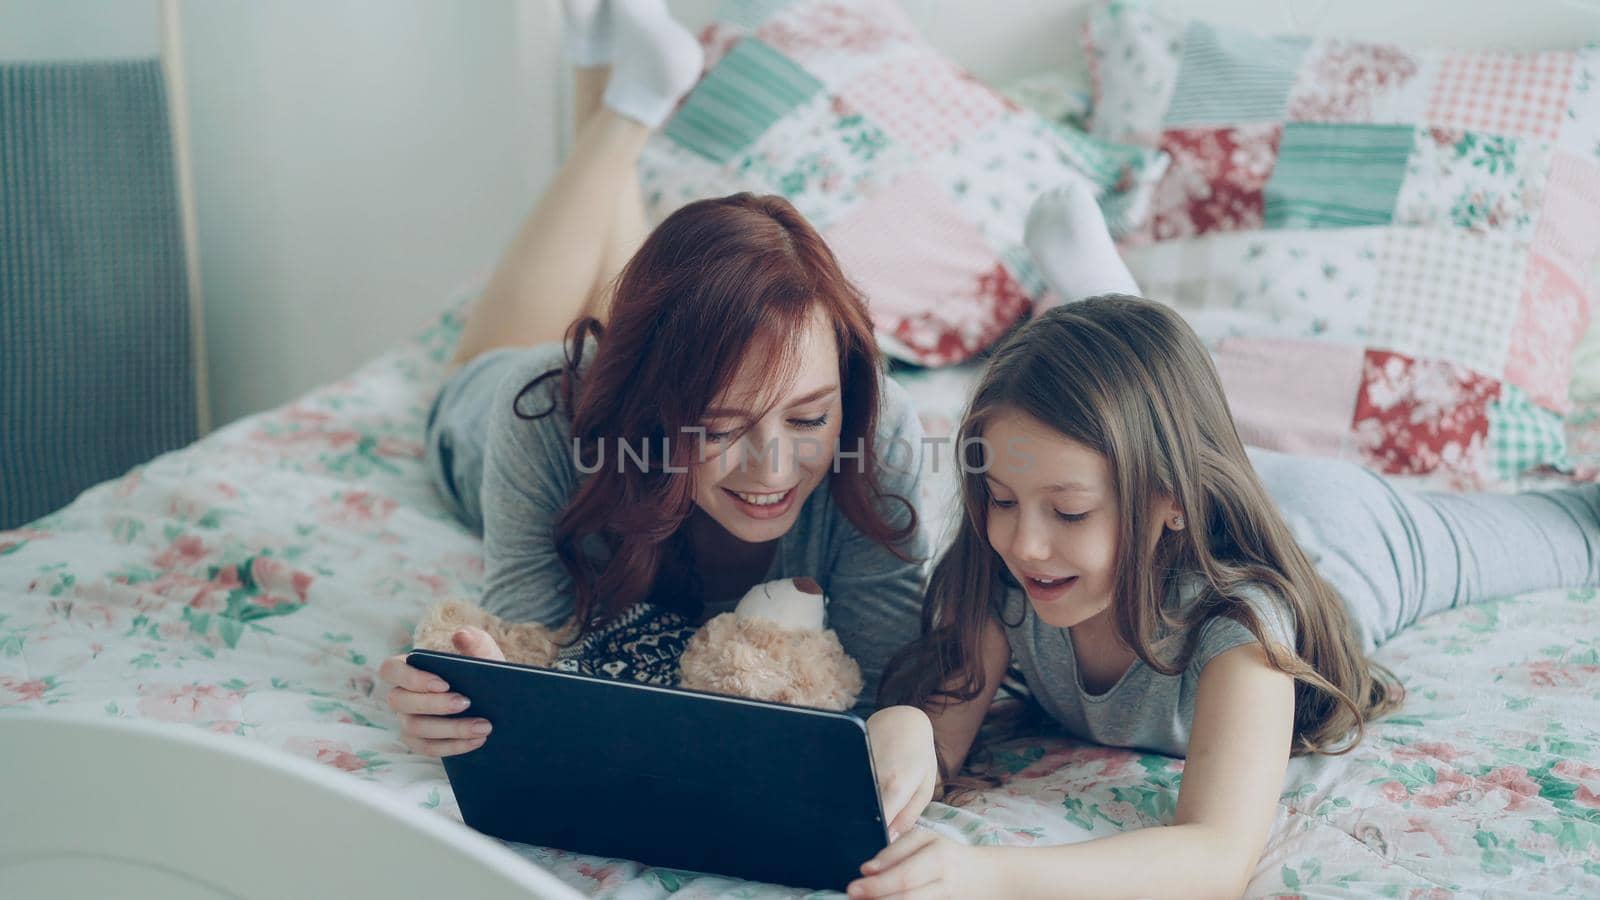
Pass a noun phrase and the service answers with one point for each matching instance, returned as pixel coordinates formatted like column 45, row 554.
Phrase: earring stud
column 1177, row 522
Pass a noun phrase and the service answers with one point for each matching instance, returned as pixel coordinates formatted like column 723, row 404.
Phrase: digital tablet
column 667, row 777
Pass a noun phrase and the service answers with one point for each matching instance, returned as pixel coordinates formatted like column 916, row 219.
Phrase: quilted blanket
column 250, row 583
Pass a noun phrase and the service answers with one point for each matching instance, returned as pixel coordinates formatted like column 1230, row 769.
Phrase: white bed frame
column 136, row 809
column 114, row 799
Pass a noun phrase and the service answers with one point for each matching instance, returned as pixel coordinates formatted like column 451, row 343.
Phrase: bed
column 249, row 584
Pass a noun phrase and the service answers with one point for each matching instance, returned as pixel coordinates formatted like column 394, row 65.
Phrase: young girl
column 1163, row 588
column 681, row 446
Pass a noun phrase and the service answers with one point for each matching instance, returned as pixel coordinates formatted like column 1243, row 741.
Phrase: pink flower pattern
column 188, row 702
column 187, row 551
column 280, row 581
column 862, row 28
column 1216, row 180
column 1421, row 417
column 1554, row 309
column 1343, row 81
column 29, row 691
column 1508, row 784
column 1429, row 750
column 338, row 754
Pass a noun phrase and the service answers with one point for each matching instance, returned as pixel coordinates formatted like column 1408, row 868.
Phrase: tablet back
column 666, row 777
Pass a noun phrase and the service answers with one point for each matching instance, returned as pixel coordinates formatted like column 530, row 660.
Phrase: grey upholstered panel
column 96, row 373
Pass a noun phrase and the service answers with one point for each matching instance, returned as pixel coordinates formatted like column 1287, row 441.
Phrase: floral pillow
column 1390, row 251
column 918, row 176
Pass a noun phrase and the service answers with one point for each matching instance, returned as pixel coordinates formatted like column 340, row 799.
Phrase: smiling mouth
column 1049, row 582
column 761, row 499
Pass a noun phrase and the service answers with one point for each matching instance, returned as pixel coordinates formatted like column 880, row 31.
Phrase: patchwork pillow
column 917, row 175
column 1390, row 251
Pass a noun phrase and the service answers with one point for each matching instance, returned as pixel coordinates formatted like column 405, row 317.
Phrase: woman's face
column 1054, row 518
column 754, row 486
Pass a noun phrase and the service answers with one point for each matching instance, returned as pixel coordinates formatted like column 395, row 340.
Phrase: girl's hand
column 907, row 764
column 924, row 866
column 424, row 701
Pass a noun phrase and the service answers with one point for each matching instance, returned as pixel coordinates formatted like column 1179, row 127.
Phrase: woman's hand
column 907, row 764
column 924, row 865
column 424, row 700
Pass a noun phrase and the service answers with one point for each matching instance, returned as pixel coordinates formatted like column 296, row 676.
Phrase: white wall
column 356, row 164
column 51, row 30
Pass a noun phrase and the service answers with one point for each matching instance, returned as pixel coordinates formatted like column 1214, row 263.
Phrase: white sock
column 586, row 25
column 654, row 61
column 1070, row 244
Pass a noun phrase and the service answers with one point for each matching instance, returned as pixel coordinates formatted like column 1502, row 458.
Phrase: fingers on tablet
column 420, row 704
column 436, row 728
column 397, row 672
column 442, row 748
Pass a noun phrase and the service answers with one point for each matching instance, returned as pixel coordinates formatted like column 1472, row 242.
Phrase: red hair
column 715, row 279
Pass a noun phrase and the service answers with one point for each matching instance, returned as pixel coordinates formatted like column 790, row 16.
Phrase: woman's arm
column 1238, row 753
column 525, row 483
column 528, row 479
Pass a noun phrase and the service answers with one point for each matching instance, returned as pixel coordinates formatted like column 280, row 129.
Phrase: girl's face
column 1054, row 517
column 754, row 486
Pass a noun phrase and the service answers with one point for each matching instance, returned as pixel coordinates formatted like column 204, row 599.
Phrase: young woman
column 1163, row 588
column 717, row 418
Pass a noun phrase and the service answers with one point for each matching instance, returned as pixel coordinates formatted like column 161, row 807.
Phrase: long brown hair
column 715, row 279
column 1131, row 380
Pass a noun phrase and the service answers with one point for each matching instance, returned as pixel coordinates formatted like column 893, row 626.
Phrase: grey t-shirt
column 529, row 475
column 1144, row 709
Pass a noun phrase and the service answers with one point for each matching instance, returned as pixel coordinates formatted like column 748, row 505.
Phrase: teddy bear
column 775, row 645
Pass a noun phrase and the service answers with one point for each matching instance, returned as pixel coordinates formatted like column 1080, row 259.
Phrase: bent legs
column 587, row 224
column 591, row 220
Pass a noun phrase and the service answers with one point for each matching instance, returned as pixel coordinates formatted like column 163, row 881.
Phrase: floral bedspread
column 249, row 584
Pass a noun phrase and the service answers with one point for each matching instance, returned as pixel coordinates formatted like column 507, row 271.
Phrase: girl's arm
column 955, row 725
column 1238, row 753
column 908, row 744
